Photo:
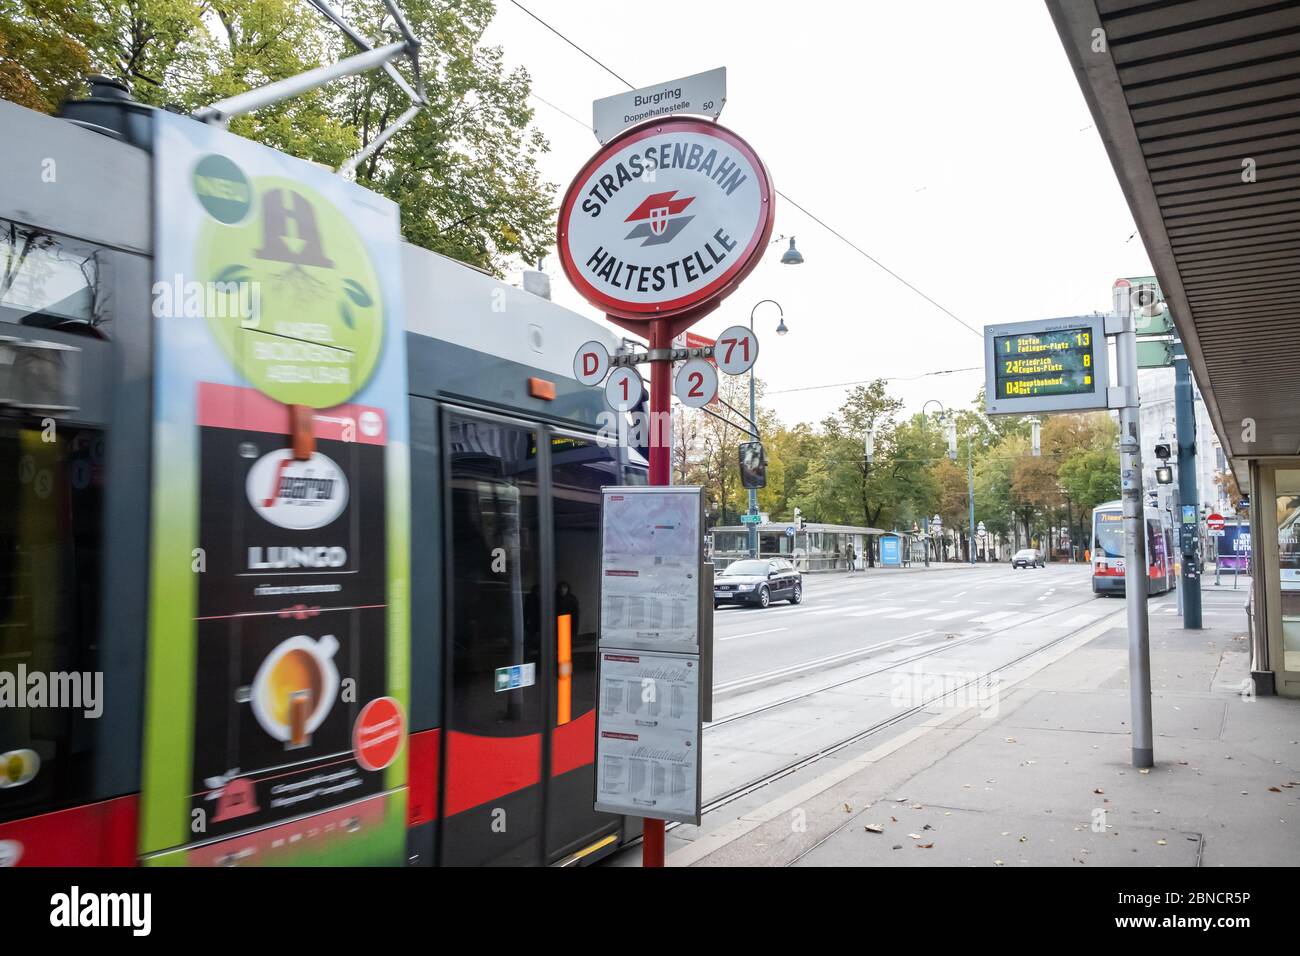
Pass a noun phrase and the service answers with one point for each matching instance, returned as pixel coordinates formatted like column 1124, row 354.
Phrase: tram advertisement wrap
column 277, row 684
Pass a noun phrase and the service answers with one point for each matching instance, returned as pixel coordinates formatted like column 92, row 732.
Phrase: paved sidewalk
column 1041, row 774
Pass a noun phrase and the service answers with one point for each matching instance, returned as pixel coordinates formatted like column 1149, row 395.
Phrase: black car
column 759, row 582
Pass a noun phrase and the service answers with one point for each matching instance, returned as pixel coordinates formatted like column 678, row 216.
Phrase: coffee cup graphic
column 295, row 687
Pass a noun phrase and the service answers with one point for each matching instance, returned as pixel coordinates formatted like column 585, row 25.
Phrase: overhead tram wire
column 834, row 232
column 883, row 378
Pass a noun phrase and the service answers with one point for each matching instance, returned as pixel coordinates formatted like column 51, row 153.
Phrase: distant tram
column 1108, row 550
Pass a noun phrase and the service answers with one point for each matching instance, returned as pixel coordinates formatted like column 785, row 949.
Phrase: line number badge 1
column 624, row 389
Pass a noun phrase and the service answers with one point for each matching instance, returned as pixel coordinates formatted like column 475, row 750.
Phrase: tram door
column 522, row 522
column 579, row 467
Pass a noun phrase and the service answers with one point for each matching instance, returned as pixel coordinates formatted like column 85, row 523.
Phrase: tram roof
column 452, row 302
column 1182, row 95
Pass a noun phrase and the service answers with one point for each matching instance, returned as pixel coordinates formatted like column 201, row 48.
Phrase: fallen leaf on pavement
column 874, row 828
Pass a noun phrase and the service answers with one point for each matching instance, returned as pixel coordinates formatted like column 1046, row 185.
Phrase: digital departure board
column 1046, row 366
column 1049, row 363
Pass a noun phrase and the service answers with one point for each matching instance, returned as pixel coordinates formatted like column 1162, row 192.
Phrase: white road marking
column 770, row 630
column 951, row 615
column 903, row 614
column 874, row 610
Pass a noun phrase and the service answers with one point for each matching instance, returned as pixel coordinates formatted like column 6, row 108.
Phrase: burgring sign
column 665, row 218
column 1050, row 365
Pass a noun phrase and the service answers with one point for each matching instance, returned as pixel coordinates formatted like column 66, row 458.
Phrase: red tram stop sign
column 665, row 221
column 657, row 228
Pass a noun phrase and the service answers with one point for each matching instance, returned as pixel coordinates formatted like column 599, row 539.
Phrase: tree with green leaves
column 464, row 171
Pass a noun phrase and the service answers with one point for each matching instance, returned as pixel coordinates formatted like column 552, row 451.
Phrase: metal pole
column 926, row 540
column 1135, row 546
column 1185, row 421
column 351, row 164
column 970, row 491
column 753, row 492
column 223, row 110
column 652, row 831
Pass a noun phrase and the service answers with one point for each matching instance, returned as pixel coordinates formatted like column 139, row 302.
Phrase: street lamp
column 753, row 414
column 792, row 256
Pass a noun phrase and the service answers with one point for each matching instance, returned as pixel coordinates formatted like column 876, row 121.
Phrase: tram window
column 578, row 471
column 50, row 564
column 51, row 282
column 496, row 597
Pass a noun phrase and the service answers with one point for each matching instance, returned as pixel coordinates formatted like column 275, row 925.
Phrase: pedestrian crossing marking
column 951, row 615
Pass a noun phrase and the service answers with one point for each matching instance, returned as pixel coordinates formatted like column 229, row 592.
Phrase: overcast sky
column 948, row 139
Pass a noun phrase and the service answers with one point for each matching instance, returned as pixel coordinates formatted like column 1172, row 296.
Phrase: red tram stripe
column 573, row 745
column 99, row 834
column 422, row 777
column 480, row 769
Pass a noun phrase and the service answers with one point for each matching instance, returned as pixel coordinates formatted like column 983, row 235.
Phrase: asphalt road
column 863, row 649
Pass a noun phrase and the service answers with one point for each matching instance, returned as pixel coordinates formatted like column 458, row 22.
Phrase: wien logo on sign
column 659, row 219
column 665, row 218
column 297, row 495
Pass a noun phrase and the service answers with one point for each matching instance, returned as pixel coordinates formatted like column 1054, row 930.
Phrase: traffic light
column 1164, row 475
column 1162, row 451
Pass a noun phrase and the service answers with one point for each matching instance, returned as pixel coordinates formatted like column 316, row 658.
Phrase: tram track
column 929, row 652
column 736, row 793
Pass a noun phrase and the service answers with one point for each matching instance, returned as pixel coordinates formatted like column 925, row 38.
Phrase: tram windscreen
column 1108, row 534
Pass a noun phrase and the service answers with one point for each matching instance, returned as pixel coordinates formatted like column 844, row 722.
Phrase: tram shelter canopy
column 1196, row 104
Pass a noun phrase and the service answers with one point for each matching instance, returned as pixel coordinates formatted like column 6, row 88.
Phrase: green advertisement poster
column 277, row 686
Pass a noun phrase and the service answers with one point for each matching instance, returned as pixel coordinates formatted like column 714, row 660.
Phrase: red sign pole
column 652, row 831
